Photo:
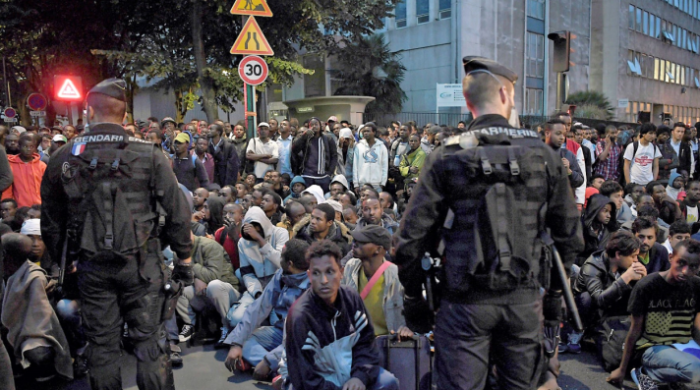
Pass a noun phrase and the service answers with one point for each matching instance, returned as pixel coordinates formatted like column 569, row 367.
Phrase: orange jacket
column 25, row 188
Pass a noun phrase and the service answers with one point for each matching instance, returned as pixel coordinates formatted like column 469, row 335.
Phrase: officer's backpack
column 505, row 256
column 101, row 184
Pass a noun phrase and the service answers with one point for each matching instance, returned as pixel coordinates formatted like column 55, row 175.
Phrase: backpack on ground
column 612, row 341
column 408, row 360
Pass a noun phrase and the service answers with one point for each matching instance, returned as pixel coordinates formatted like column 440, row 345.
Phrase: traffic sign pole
column 250, row 108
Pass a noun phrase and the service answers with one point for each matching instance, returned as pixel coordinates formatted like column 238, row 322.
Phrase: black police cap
column 472, row 63
column 115, row 88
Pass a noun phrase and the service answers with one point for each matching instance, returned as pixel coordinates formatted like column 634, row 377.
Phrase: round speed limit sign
column 253, row 70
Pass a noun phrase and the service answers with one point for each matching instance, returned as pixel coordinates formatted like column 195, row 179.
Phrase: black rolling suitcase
column 409, row 361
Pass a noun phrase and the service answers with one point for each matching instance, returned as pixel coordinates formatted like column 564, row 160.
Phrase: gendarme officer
column 488, row 193
column 108, row 200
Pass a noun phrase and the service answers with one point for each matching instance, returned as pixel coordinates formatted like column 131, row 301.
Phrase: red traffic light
column 68, row 88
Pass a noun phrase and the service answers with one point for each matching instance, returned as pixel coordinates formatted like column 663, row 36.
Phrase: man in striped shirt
column 664, row 307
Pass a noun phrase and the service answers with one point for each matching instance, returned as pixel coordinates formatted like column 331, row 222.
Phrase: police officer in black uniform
column 121, row 273
column 479, row 324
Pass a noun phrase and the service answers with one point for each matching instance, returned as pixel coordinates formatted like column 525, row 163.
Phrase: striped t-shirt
column 669, row 310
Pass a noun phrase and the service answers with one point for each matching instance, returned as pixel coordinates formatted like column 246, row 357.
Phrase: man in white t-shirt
column 264, row 151
column 642, row 166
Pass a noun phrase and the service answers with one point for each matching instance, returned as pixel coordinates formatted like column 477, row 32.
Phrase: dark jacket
column 668, row 161
column 338, row 234
column 595, row 242
column 241, row 145
column 190, row 172
column 300, row 151
column 326, row 346
column 576, row 177
column 658, row 259
column 6, row 177
column 56, row 207
column 227, row 163
column 608, row 291
column 684, row 157
column 445, row 185
column 588, row 162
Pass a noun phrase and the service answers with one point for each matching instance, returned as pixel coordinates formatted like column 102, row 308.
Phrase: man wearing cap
column 263, row 151
column 478, row 315
column 225, row 156
column 384, row 299
column 189, row 171
column 315, row 156
column 117, row 284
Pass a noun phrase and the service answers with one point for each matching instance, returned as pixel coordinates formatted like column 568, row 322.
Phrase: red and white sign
column 68, row 88
column 253, row 70
column 10, row 113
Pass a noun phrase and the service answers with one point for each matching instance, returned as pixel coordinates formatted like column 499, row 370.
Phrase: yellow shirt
column 374, row 302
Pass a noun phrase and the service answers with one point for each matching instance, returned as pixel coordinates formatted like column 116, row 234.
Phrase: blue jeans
column 665, row 364
column 236, row 312
column 262, row 341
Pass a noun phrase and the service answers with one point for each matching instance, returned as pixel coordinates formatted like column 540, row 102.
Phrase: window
column 534, row 101
column 423, row 11
column 658, row 28
column 315, row 84
column 684, row 40
column 645, row 23
column 535, row 55
column 638, row 24
column 631, row 17
column 656, row 69
column 535, row 9
column 446, row 9
column 652, row 25
column 400, row 14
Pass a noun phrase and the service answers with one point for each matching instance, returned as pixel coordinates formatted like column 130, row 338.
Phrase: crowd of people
column 317, row 205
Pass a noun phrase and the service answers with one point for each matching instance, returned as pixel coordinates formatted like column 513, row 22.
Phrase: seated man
column 294, row 212
column 261, row 346
column 605, row 281
column 214, row 283
column 259, row 251
column 373, row 214
column 329, row 339
column 384, row 299
column 677, row 232
column 665, row 310
column 652, row 254
column 321, row 225
column 35, row 335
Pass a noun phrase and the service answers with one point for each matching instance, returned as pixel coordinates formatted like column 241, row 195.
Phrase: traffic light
column 68, row 88
column 562, row 50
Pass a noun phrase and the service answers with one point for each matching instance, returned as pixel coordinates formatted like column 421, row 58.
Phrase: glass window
column 631, row 17
column 535, row 8
column 534, row 101
column 423, row 11
column 638, row 23
column 535, row 55
column 658, row 27
column 400, row 14
column 645, row 22
column 446, row 8
column 656, row 69
column 684, row 40
column 315, row 84
column 652, row 24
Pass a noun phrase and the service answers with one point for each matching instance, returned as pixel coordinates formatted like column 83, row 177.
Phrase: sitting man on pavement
column 382, row 294
column 35, row 334
column 373, row 214
column 652, row 254
column 259, row 251
column 294, row 212
column 321, row 225
column 261, row 346
column 677, row 232
column 329, row 338
column 665, row 311
column 214, row 283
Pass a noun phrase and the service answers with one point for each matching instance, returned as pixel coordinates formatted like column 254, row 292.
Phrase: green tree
column 369, row 68
column 592, row 104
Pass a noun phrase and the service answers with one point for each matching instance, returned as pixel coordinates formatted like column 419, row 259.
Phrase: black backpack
column 100, row 183
column 505, row 259
column 612, row 341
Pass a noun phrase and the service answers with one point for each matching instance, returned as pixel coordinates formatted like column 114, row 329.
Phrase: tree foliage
column 593, row 103
column 153, row 39
column 369, row 68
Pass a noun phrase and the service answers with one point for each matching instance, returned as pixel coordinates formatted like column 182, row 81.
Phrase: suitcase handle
column 392, row 339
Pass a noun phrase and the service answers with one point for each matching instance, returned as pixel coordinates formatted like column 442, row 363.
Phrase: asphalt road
column 204, row 370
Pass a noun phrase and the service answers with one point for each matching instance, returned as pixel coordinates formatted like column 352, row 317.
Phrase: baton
column 568, row 295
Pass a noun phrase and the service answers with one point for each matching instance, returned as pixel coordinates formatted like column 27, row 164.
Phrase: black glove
column 184, row 273
column 418, row 315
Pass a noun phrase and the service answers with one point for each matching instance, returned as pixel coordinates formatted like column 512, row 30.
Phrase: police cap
column 473, row 63
column 114, row 88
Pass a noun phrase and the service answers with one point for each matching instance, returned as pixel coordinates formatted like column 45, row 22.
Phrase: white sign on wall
column 450, row 95
column 623, row 103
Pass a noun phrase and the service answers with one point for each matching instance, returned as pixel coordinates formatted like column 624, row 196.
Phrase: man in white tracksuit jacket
column 370, row 160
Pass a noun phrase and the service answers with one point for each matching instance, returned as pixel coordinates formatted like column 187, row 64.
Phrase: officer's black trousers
column 468, row 338
column 112, row 294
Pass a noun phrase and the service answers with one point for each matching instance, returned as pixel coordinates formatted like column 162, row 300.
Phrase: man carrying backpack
column 514, row 187
column 107, row 201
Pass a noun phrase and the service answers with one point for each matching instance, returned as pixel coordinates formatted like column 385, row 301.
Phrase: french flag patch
column 78, row 148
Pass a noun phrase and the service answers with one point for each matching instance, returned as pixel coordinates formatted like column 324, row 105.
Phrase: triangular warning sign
column 252, row 8
column 68, row 91
column 251, row 41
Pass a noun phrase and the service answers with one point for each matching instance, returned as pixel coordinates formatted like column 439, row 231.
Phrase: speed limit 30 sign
column 253, row 70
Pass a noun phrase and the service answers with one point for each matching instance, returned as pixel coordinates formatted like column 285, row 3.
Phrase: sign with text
column 450, row 95
column 253, row 70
